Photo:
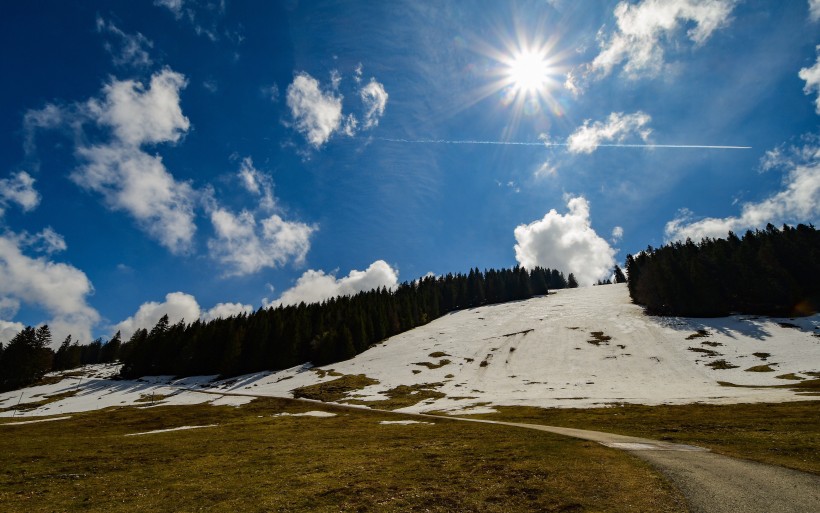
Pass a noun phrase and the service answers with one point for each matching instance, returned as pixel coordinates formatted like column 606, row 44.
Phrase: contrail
column 548, row 144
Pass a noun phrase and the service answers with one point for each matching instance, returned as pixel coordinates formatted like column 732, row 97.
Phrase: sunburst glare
column 529, row 71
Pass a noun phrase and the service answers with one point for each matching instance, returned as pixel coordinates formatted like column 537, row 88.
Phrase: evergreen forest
column 766, row 272
column 281, row 337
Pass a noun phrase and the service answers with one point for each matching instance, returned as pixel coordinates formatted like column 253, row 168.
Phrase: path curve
column 711, row 483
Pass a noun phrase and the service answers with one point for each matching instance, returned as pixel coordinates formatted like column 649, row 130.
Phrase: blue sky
column 203, row 158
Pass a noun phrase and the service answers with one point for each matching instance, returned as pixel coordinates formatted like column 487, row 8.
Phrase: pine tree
column 571, row 282
column 619, row 275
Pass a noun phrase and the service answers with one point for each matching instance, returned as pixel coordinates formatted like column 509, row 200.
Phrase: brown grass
column 336, row 389
column 786, row 434
column 253, row 462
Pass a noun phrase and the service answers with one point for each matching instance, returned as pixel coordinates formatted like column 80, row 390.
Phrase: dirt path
column 710, row 482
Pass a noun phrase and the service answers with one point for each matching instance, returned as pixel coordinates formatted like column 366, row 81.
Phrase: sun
column 529, row 71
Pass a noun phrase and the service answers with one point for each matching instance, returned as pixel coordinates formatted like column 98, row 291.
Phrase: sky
column 203, row 158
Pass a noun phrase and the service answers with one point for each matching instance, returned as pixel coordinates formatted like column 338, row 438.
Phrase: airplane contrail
column 549, row 144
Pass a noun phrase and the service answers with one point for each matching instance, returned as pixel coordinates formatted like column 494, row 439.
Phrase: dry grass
column 336, row 389
column 698, row 334
column 403, row 396
column 760, row 368
column 599, row 338
column 432, row 366
column 707, row 352
column 786, row 434
column 253, row 462
column 721, row 365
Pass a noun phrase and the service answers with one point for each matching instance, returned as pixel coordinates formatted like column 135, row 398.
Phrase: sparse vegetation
column 31, row 405
column 432, row 366
column 403, row 396
column 790, row 375
column 707, row 352
column 598, row 338
column 699, row 334
column 255, row 462
column 334, row 390
column 438, row 354
column 761, row 368
column 721, row 365
column 762, row 356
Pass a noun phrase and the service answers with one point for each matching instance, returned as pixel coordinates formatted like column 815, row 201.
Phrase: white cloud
column 8, row 330
column 797, row 202
column 374, row 98
column 177, row 306
column 175, row 6
column 316, row 114
column 271, row 92
column 50, row 116
column 814, row 10
column 246, row 246
column 645, row 27
column 617, row 234
column 565, row 242
column 47, row 241
column 812, row 78
column 225, row 310
column 18, row 188
column 257, row 183
column 128, row 178
column 315, row 286
column 357, row 72
column 139, row 116
column 133, row 48
column 59, row 289
column 617, row 127
column 139, row 184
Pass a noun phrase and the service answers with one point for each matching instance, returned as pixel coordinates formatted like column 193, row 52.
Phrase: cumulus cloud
column 225, row 310
column 812, row 78
column 374, row 98
column 59, row 289
column 18, row 188
column 50, row 116
column 645, row 27
column 797, row 202
column 178, row 306
column 316, row 286
column 8, row 330
column 141, row 116
column 565, row 242
column 132, row 49
column 617, row 128
column 316, row 113
column 128, row 178
column 246, row 246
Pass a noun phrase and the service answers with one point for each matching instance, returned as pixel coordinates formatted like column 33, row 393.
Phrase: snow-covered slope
column 579, row 347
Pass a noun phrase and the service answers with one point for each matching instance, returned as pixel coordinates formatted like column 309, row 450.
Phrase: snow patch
column 181, row 428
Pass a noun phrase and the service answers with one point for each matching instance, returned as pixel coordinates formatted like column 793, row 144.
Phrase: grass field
column 254, row 460
column 786, row 434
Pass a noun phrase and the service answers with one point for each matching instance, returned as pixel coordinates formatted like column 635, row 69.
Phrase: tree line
column 766, row 272
column 277, row 338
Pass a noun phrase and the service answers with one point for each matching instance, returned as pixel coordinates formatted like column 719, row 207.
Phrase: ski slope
column 582, row 347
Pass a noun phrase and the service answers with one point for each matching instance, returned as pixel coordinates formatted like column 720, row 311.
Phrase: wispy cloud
column 130, row 50
column 797, row 202
column 18, row 188
column 588, row 137
column 643, row 31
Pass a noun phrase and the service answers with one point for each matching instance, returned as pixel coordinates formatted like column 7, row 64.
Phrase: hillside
column 574, row 348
